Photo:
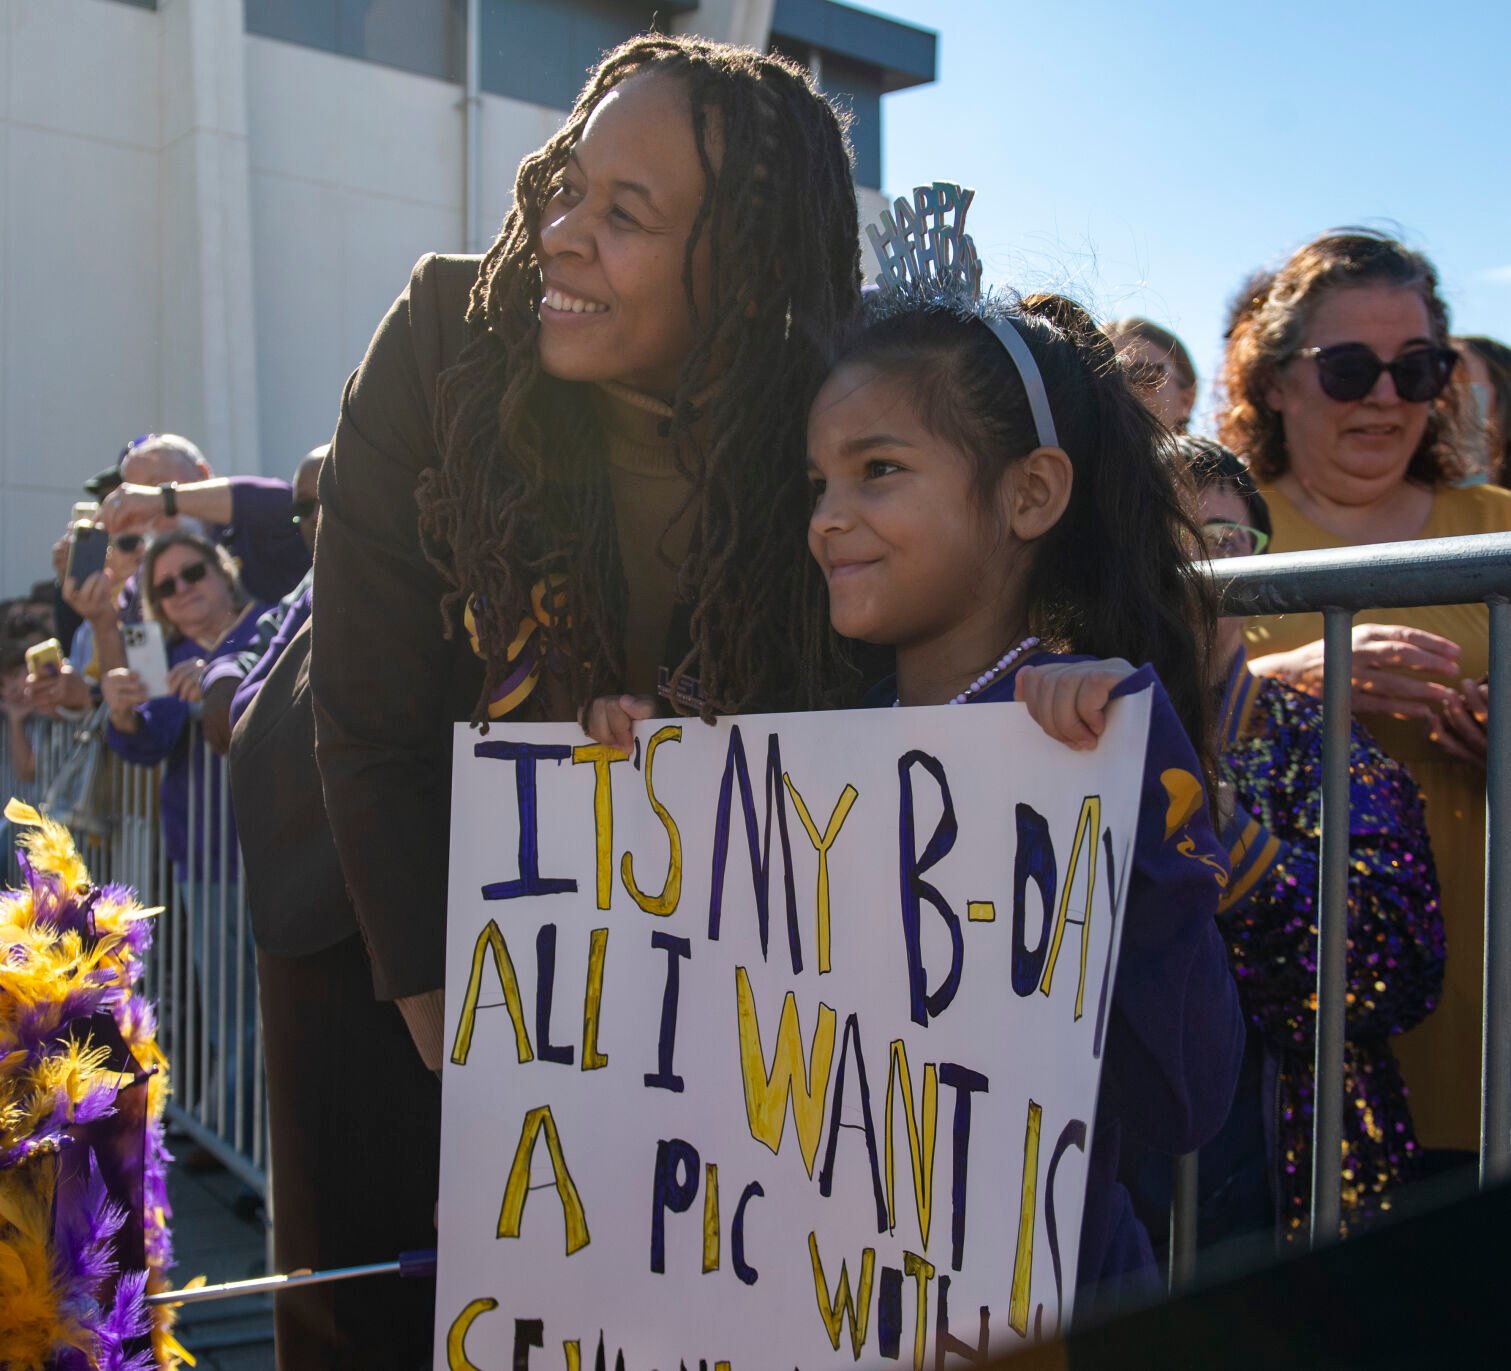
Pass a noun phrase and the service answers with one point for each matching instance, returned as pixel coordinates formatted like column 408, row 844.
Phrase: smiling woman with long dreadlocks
column 517, row 500
column 577, row 468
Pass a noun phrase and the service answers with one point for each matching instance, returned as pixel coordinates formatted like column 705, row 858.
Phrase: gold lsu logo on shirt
column 1185, row 796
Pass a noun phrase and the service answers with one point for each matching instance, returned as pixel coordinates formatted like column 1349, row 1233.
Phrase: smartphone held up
column 44, row 658
column 86, row 554
column 147, row 655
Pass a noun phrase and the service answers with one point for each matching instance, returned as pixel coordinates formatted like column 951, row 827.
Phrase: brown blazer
column 387, row 684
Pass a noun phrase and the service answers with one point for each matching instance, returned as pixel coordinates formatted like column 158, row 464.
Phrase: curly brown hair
column 522, row 492
column 1266, row 333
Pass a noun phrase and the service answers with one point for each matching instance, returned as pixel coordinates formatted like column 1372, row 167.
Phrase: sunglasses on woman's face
column 1348, row 371
column 191, row 575
column 1224, row 538
column 127, row 543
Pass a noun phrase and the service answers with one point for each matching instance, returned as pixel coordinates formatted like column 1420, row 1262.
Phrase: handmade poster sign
column 776, row 1044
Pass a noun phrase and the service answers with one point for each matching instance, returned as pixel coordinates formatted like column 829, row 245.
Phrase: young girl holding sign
column 992, row 501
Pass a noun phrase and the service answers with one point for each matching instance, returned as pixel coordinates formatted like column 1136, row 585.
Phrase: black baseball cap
column 102, row 484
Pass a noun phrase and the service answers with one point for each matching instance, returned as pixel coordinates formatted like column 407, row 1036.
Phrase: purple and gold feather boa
column 84, row 1208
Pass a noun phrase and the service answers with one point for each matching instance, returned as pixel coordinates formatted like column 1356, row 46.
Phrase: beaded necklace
column 990, row 674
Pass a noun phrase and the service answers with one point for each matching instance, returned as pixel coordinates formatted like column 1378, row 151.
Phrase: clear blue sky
column 1145, row 156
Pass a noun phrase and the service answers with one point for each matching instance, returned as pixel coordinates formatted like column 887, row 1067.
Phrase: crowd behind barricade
column 158, row 579
column 1346, row 415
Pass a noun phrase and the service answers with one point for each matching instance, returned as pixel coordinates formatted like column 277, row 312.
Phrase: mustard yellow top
column 1440, row 1058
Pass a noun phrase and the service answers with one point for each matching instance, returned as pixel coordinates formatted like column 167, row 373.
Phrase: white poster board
column 833, row 1115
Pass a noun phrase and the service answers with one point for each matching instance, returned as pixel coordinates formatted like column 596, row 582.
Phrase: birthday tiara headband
column 922, row 242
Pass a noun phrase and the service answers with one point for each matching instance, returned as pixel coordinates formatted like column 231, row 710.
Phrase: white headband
column 926, row 244
column 1007, row 334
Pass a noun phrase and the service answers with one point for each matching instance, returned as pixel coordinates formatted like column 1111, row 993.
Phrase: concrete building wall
column 338, row 218
column 80, row 221
column 208, row 245
column 200, row 229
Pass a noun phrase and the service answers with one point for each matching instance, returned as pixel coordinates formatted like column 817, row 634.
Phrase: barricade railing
column 1339, row 584
column 201, row 972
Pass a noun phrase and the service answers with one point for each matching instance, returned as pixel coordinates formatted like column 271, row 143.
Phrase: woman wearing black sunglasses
column 1338, row 394
column 191, row 587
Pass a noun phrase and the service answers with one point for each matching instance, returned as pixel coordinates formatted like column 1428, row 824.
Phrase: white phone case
column 147, row 656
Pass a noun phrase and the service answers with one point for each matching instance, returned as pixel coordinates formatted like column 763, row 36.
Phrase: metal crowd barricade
column 208, row 1022
column 201, row 971
column 1341, row 583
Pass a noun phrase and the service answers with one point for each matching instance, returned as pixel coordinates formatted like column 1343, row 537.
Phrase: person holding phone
column 167, row 484
column 70, row 619
column 97, row 586
column 191, row 588
column 88, row 547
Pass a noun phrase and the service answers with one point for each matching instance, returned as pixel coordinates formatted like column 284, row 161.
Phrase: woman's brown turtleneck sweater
column 649, row 491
